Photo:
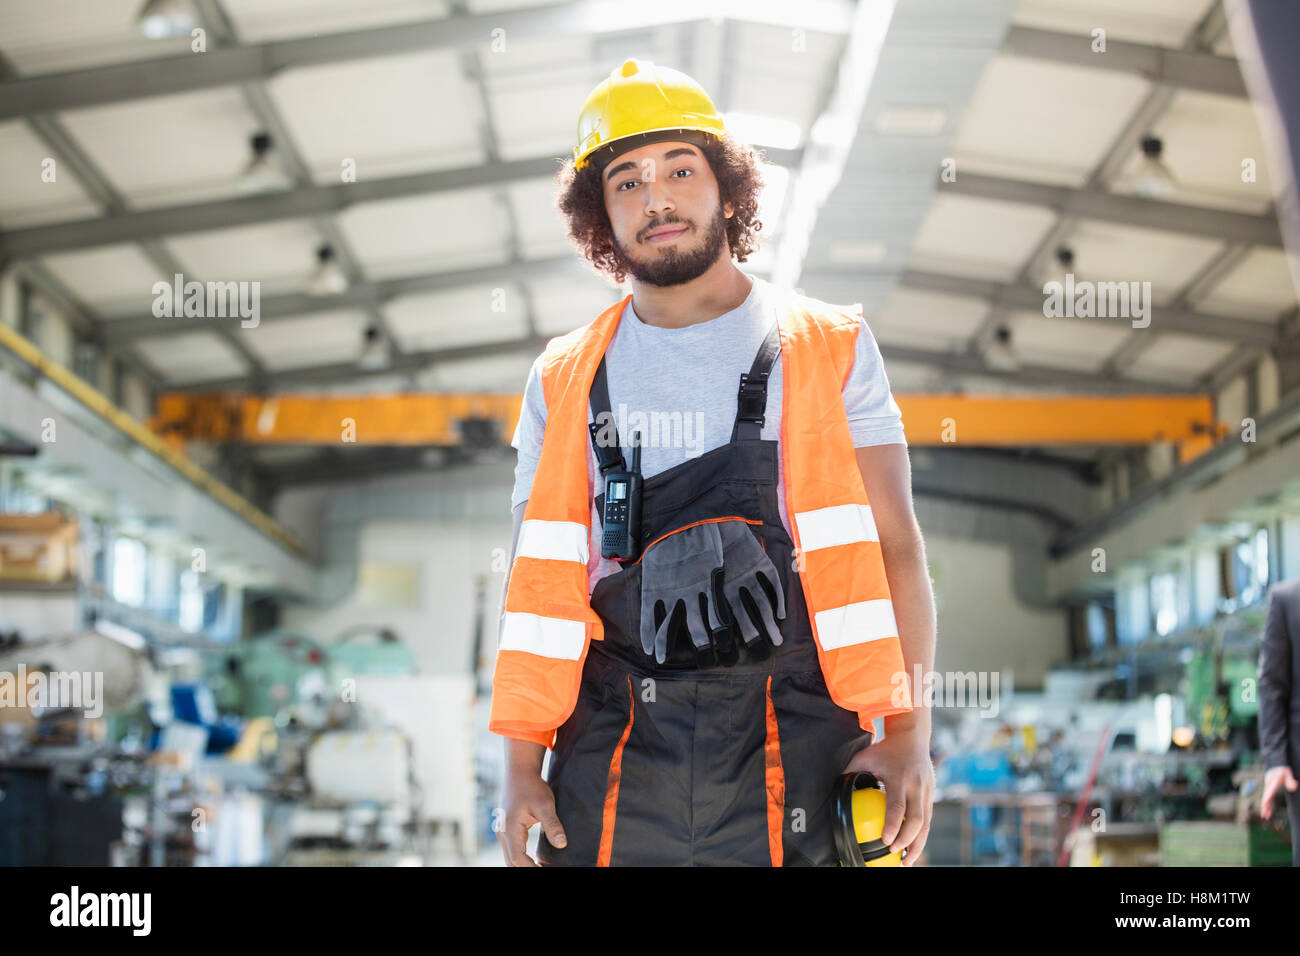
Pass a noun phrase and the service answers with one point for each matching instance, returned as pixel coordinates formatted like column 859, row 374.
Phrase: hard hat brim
column 603, row 155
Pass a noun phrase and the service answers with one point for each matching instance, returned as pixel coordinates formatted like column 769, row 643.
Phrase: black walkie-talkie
column 622, row 537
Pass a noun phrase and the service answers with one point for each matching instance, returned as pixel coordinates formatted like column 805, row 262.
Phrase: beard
column 674, row 266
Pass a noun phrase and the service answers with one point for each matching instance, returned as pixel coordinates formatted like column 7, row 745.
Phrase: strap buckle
column 609, row 456
column 751, row 399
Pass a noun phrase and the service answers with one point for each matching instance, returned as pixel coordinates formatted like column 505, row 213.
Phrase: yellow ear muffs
column 859, row 821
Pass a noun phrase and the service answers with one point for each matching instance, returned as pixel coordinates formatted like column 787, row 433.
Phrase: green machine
column 371, row 652
column 1221, row 695
column 1222, row 706
column 1221, row 843
column 264, row 674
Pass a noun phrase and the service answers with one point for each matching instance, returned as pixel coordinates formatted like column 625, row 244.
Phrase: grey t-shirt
column 679, row 386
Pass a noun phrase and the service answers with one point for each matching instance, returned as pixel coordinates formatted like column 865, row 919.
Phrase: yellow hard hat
column 638, row 104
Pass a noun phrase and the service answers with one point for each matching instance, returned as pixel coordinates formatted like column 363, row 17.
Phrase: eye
column 621, row 187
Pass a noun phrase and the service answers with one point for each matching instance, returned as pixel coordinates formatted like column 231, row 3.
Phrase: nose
column 658, row 199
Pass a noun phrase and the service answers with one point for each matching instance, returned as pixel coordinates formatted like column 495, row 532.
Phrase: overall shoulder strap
column 751, row 400
column 609, row 451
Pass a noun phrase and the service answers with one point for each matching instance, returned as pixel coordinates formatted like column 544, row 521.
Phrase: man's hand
column 1274, row 780
column 901, row 761
column 528, row 800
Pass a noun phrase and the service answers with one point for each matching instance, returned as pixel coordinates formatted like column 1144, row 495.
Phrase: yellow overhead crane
column 1186, row 421
column 402, row 419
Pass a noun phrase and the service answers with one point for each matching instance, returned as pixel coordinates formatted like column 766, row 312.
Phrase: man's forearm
column 913, row 600
column 524, row 756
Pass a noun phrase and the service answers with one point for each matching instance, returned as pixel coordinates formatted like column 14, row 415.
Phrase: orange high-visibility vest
column 549, row 622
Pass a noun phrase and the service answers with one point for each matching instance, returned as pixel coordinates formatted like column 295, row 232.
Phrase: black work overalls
column 678, row 765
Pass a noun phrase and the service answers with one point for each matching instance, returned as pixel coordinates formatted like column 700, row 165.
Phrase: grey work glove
column 751, row 587
column 680, row 569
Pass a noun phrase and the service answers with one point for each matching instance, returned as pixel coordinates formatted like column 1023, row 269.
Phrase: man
column 688, row 726
column 1279, row 704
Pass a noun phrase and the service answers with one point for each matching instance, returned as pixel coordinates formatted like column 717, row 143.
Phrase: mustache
column 660, row 225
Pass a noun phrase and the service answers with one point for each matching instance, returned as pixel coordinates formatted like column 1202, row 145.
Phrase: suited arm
column 1274, row 685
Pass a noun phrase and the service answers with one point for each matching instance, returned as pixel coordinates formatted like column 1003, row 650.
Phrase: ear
column 728, row 210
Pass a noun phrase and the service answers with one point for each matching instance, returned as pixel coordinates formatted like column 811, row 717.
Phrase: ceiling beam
column 126, row 327
column 303, row 201
column 318, row 200
column 242, row 64
column 1027, row 298
column 1101, row 206
column 943, row 477
column 300, row 202
column 328, row 466
column 129, row 326
column 162, row 76
column 415, row 362
column 346, row 372
column 1186, row 69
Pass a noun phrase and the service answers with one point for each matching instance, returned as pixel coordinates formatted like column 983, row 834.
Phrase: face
column 669, row 226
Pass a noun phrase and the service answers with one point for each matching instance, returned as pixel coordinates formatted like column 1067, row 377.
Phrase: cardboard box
column 41, row 547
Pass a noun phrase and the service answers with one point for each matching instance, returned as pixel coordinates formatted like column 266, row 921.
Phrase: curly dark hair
column 582, row 202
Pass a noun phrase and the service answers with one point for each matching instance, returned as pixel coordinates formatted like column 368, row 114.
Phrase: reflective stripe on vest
column 548, row 621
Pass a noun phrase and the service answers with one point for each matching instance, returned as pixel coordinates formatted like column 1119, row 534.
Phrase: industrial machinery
column 341, row 775
column 266, row 673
